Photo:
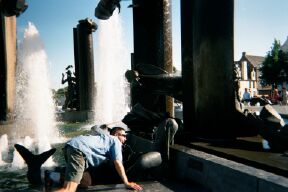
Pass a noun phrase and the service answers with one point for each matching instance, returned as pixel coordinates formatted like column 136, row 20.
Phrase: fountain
column 113, row 60
column 34, row 123
column 3, row 148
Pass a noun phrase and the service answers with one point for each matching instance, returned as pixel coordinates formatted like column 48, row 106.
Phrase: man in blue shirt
column 246, row 95
column 93, row 150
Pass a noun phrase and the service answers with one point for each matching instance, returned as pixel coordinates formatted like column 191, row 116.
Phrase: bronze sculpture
column 71, row 96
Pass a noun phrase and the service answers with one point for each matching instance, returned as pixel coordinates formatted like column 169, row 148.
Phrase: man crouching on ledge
column 93, row 150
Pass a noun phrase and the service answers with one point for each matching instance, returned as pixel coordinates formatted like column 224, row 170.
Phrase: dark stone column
column 3, row 71
column 86, row 63
column 187, row 10
column 152, row 44
column 168, row 61
column 76, row 64
column 207, row 66
column 7, row 8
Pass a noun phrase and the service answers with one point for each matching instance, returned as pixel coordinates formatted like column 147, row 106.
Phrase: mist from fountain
column 112, row 98
column 3, row 148
column 18, row 161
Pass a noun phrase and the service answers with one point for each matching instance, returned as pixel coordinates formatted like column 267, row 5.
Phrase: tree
column 274, row 64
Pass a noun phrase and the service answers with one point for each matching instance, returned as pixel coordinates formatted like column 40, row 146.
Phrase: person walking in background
column 284, row 96
column 246, row 96
column 275, row 97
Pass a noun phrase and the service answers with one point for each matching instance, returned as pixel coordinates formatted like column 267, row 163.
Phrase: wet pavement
column 151, row 186
column 148, row 186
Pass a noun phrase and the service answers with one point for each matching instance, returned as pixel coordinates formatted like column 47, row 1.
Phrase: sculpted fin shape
column 34, row 162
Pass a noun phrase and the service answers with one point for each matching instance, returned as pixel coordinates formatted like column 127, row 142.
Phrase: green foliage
column 62, row 91
column 72, row 129
column 274, row 65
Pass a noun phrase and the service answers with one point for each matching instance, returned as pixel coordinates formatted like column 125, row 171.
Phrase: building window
column 253, row 75
column 244, row 70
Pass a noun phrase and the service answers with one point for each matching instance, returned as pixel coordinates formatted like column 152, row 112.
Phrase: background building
column 247, row 71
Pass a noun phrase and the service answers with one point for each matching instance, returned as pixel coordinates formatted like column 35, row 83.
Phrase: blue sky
column 257, row 24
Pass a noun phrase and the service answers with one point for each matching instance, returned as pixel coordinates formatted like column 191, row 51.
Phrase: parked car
column 251, row 109
column 261, row 100
column 254, row 105
column 257, row 101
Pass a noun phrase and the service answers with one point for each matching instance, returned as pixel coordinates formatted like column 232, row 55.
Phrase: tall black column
column 187, row 10
column 207, row 66
column 86, row 63
column 152, row 43
column 168, row 60
column 76, row 64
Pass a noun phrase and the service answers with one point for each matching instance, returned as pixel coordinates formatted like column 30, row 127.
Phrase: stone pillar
column 153, row 44
column 7, row 66
column 207, row 66
column 76, row 64
column 8, row 12
column 3, row 71
column 187, row 63
column 10, row 39
column 86, row 64
column 168, row 60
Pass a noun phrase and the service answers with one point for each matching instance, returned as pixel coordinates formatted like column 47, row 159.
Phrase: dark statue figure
column 105, row 8
column 273, row 128
column 143, row 120
column 34, row 162
column 152, row 82
column 163, row 84
column 269, row 124
column 13, row 7
column 71, row 94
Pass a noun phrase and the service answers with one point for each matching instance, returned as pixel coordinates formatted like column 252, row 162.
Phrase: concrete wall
column 222, row 175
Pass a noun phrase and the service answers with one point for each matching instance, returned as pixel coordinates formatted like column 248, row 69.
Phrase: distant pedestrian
column 284, row 96
column 275, row 97
column 246, row 96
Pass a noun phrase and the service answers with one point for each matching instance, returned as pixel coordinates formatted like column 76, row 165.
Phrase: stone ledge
column 75, row 116
column 221, row 175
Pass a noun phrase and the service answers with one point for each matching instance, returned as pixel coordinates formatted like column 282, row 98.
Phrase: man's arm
column 121, row 171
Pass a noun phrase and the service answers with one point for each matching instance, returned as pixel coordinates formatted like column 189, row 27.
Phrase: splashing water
column 34, row 106
column 18, row 162
column 3, row 148
column 112, row 89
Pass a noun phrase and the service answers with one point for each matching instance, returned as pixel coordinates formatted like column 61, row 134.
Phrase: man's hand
column 121, row 171
column 133, row 185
